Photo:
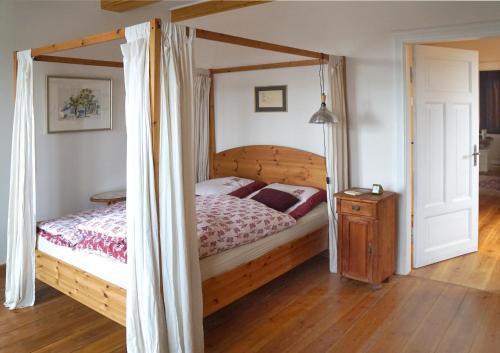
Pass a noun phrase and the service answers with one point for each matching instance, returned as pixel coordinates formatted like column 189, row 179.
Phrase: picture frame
column 76, row 104
column 271, row 99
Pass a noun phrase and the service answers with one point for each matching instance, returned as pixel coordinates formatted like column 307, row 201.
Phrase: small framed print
column 78, row 104
column 377, row 189
column 271, row 99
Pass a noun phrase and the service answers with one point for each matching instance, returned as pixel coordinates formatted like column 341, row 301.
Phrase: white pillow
column 220, row 186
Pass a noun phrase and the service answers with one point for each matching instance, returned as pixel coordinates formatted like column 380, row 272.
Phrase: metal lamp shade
column 323, row 116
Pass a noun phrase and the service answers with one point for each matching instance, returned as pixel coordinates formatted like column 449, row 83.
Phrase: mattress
column 105, row 268
column 116, row 272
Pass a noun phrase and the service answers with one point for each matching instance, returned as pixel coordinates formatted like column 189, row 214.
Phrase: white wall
column 238, row 124
column 73, row 166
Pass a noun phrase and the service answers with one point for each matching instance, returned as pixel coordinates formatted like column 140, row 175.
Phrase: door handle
column 475, row 154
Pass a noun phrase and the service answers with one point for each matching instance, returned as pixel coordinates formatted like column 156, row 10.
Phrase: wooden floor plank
column 327, row 332
column 360, row 336
column 462, row 332
column 494, row 281
column 260, row 334
column 428, row 335
column 488, row 338
column 331, row 306
column 112, row 343
column 92, row 331
column 399, row 328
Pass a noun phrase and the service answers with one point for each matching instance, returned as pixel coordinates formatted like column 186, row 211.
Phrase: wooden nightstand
column 109, row 197
column 367, row 236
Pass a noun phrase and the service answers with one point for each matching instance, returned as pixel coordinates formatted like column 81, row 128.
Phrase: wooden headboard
column 272, row 164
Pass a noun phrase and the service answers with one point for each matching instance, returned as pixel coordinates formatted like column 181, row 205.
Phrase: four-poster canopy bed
column 263, row 163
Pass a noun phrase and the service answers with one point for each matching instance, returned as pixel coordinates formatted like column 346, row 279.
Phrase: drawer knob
column 356, row 207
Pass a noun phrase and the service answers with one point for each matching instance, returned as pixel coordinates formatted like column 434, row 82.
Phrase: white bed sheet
column 105, row 268
column 115, row 272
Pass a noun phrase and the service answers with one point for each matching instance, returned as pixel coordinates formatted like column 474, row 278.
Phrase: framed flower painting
column 78, row 104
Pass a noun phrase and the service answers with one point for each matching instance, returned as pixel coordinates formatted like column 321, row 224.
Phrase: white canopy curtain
column 21, row 222
column 201, row 127
column 337, row 162
column 164, row 300
column 179, row 240
column 146, row 325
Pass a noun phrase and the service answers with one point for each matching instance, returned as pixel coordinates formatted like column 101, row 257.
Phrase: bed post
column 154, row 101
column 211, row 127
column 154, row 83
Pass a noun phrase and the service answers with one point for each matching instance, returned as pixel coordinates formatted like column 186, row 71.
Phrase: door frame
column 403, row 126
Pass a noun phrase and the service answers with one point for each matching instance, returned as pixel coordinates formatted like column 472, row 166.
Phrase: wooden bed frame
column 265, row 163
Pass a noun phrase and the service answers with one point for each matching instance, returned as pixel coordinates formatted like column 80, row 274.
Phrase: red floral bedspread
column 100, row 244
column 106, row 235
column 223, row 222
column 63, row 231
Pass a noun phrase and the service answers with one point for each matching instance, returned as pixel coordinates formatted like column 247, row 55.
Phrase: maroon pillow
column 276, row 199
column 309, row 204
column 248, row 189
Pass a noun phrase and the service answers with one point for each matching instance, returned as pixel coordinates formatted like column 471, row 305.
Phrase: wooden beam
column 279, row 65
column 77, row 61
column 124, row 5
column 226, row 38
column 80, row 42
column 211, row 127
column 209, row 8
column 119, row 34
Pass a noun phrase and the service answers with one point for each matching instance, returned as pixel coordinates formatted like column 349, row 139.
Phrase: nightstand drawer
column 358, row 208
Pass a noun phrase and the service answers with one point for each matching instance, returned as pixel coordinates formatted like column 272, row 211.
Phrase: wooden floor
column 307, row 310
column 57, row 323
column 477, row 270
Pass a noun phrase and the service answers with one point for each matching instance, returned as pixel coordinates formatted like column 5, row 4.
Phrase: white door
column 446, row 174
